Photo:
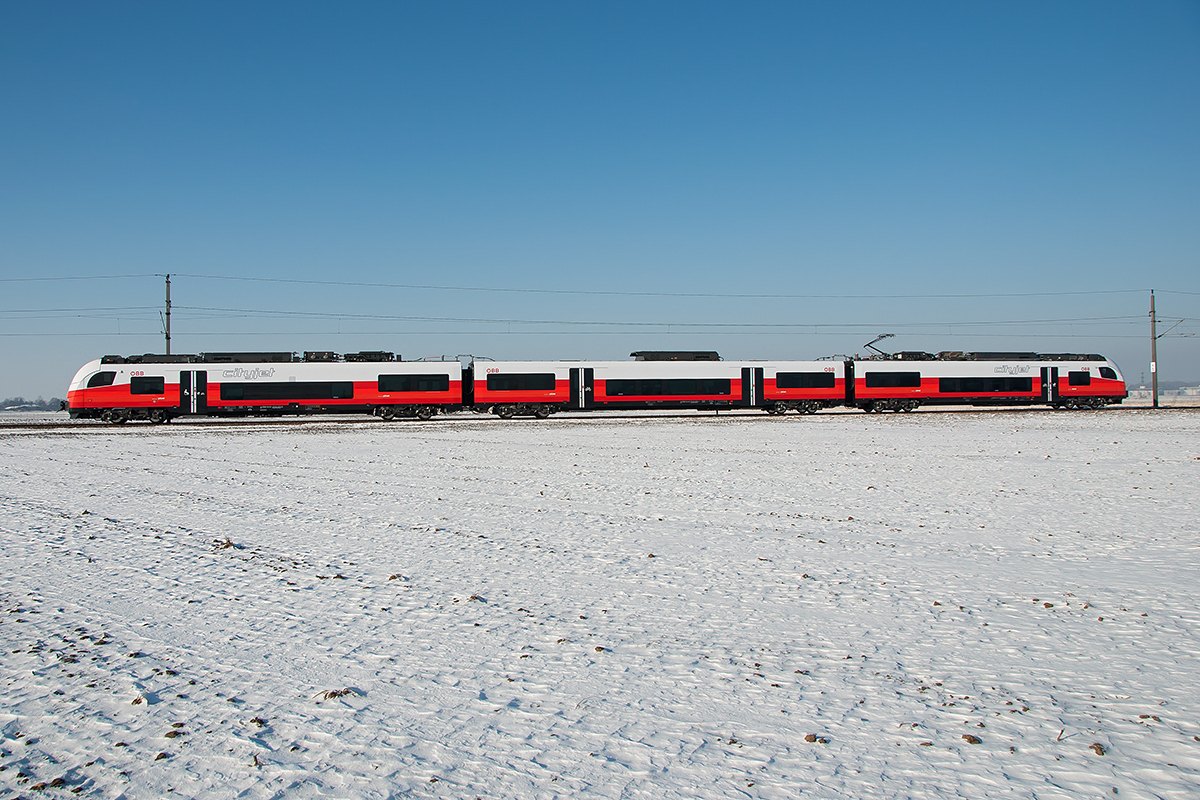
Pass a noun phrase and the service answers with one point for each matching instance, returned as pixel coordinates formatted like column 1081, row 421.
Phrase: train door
column 467, row 385
column 1050, row 385
column 193, row 392
column 752, row 387
column 583, row 382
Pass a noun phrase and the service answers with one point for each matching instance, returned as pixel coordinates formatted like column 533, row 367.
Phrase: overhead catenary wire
column 656, row 323
column 575, row 326
column 211, row 312
column 206, row 312
column 45, row 279
column 857, row 330
column 75, row 310
column 615, row 293
column 590, row 292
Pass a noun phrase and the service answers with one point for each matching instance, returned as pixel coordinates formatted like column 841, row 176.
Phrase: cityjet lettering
column 1014, row 369
column 248, row 374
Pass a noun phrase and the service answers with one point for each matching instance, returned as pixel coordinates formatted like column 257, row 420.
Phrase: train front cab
column 1091, row 384
column 118, row 392
column 1064, row 382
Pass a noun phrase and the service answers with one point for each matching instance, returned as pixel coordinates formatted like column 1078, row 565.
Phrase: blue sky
column 853, row 166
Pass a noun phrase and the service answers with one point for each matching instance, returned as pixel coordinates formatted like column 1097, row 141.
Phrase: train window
column 627, row 388
column 1079, row 378
column 1109, row 373
column 676, row 387
column 889, row 380
column 414, row 383
column 805, row 380
column 147, row 385
column 984, row 385
column 288, row 392
column 518, row 382
column 703, row 386
column 101, row 379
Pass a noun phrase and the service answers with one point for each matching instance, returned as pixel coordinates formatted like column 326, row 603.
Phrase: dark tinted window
column 631, row 388
column 290, row 391
column 1079, row 378
column 887, row 380
column 146, row 385
column 805, row 380
column 674, row 387
column 683, row 386
column 1108, row 372
column 517, row 382
column 101, row 379
column 984, row 385
column 414, row 383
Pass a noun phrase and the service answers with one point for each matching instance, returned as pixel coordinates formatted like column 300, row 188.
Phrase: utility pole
column 168, row 324
column 1153, row 349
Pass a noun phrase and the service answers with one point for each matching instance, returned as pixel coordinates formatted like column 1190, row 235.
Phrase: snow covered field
column 986, row 604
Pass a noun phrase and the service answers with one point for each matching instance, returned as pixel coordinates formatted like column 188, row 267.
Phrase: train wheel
column 779, row 408
column 505, row 412
column 424, row 412
column 158, row 416
column 542, row 411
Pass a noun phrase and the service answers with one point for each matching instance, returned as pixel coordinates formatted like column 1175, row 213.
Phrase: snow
column 620, row 607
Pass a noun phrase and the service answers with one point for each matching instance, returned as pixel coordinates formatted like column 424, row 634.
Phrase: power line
column 856, row 331
column 658, row 323
column 75, row 310
column 232, row 313
column 649, row 294
column 209, row 312
column 78, row 278
column 587, row 292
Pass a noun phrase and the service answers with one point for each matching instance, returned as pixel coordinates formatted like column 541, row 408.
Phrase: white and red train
column 158, row 388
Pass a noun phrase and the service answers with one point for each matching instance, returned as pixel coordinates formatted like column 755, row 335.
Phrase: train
column 158, row 388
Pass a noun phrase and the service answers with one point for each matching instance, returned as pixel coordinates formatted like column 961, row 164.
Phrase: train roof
column 253, row 358
column 676, row 355
column 958, row 355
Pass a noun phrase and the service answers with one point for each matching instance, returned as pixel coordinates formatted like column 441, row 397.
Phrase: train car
column 657, row 379
column 670, row 384
column 523, row 388
column 904, row 381
column 803, row 386
column 159, row 388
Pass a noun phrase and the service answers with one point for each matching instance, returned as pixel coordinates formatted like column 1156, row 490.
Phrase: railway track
column 209, row 423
